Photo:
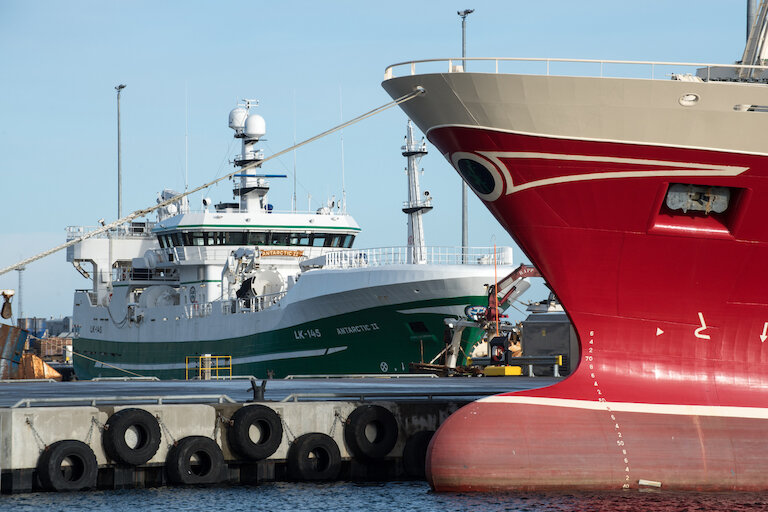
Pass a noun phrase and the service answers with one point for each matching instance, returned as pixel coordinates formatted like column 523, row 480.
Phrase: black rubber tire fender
column 140, row 422
column 195, row 460
column 383, row 437
column 261, row 418
column 313, row 457
column 67, row 465
column 415, row 454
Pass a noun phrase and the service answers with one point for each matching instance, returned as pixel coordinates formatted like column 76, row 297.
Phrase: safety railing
column 252, row 304
column 329, row 376
column 144, row 274
column 209, row 367
column 129, row 230
column 355, row 258
column 566, row 67
column 201, row 253
column 198, row 310
column 93, row 400
column 362, row 396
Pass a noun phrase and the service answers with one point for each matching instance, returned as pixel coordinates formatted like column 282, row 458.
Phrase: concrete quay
column 111, row 435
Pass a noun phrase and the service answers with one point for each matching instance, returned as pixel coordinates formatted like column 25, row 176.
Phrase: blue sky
column 307, row 62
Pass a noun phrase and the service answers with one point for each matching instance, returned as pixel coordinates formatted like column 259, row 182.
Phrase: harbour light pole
column 119, row 88
column 464, row 223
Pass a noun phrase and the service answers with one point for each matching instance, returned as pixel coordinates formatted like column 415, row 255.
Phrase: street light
column 119, row 169
column 464, row 219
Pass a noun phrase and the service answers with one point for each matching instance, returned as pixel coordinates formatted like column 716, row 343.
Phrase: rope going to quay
column 86, row 357
column 141, row 213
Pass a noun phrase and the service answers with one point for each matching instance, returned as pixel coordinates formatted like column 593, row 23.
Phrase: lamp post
column 464, row 221
column 119, row 88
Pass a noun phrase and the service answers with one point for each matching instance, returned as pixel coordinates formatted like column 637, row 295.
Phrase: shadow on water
column 345, row 496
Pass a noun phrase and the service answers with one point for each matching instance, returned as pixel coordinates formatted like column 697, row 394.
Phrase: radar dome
column 237, row 119
column 255, row 126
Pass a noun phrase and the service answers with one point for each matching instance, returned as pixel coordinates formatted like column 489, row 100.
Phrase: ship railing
column 654, row 70
column 355, row 258
column 144, row 274
column 201, row 253
column 198, row 310
column 128, row 230
column 252, row 304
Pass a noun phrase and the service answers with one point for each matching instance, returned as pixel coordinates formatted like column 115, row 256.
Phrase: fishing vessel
column 637, row 190
column 267, row 293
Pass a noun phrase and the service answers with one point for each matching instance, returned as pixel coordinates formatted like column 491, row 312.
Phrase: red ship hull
column 670, row 306
column 670, row 312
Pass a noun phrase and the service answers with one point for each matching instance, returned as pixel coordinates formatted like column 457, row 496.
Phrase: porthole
column 688, row 100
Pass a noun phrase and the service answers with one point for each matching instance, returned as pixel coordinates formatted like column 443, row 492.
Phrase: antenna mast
column 415, row 207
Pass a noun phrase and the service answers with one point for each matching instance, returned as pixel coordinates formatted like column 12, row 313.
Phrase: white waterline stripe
column 636, row 407
column 238, row 360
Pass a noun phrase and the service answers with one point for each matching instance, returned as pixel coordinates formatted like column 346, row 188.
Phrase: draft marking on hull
column 698, row 332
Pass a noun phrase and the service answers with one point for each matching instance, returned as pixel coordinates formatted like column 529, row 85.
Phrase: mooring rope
column 145, row 211
column 41, row 340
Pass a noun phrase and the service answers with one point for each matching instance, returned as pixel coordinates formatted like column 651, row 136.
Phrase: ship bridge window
column 279, row 239
column 258, row 238
column 242, row 238
column 193, row 239
column 235, row 238
column 301, row 240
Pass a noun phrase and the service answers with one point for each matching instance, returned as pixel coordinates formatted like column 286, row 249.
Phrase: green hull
column 378, row 340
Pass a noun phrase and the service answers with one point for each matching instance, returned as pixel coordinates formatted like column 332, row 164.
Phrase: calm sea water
column 345, row 496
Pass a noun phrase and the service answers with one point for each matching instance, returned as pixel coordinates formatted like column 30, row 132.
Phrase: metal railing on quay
column 364, row 376
column 93, row 400
column 363, row 396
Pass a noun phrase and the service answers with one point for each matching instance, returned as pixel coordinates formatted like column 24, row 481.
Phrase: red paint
column 625, row 268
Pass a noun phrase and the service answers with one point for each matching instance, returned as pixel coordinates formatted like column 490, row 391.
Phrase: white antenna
column 341, row 132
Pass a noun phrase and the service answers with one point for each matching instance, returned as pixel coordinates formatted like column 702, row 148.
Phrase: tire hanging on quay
column 195, row 460
column 67, row 465
column 415, row 454
column 370, row 432
column 131, row 436
column 256, row 432
column 314, row 457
